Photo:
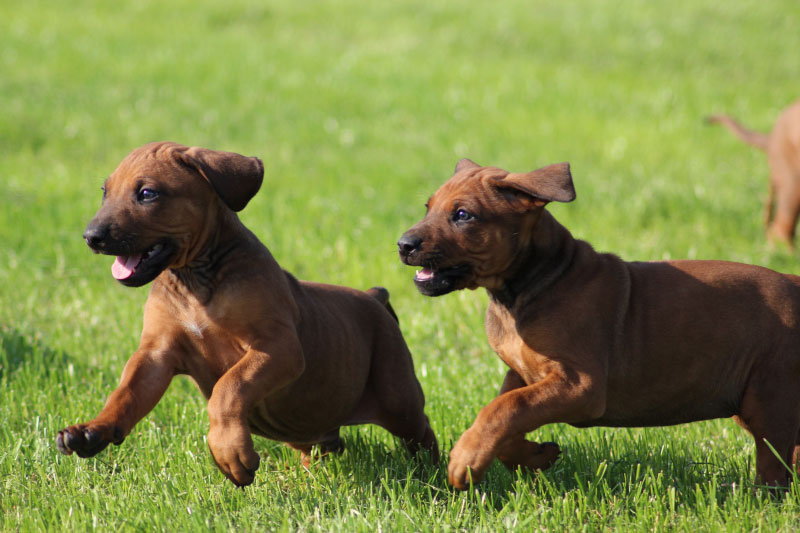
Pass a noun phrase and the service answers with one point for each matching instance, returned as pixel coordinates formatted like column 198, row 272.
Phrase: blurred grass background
column 359, row 111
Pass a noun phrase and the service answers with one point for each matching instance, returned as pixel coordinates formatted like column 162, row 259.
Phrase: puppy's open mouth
column 439, row 281
column 137, row 269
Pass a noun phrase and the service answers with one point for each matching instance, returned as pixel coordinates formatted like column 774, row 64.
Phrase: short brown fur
column 285, row 359
column 592, row 340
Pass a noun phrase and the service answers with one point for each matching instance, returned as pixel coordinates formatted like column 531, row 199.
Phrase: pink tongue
column 124, row 267
column 424, row 274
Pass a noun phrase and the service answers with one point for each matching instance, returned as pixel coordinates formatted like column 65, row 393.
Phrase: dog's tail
column 382, row 295
column 753, row 138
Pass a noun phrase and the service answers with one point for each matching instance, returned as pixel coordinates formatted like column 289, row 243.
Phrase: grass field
column 359, row 111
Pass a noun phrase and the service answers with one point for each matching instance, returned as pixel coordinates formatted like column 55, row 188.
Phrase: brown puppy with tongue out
column 285, row 359
column 592, row 340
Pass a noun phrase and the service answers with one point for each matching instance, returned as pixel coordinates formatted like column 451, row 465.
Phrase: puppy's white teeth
column 154, row 250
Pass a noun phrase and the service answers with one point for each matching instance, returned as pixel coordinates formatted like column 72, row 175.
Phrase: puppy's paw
column 430, row 444
column 87, row 440
column 528, row 455
column 460, row 475
column 468, row 461
column 232, row 450
column 332, row 445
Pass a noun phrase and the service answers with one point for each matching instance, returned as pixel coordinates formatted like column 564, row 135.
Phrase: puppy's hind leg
column 787, row 204
column 330, row 443
column 769, row 205
column 416, row 433
column 770, row 469
column 774, row 421
column 396, row 402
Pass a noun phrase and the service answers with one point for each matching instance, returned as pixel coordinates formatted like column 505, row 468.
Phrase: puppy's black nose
column 95, row 235
column 408, row 244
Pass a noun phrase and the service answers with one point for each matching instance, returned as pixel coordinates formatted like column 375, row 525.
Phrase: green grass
column 359, row 111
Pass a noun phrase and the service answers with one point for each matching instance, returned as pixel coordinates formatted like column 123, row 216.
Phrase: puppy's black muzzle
column 408, row 245
column 96, row 235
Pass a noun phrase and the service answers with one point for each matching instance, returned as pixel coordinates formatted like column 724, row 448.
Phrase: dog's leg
column 517, row 412
column 770, row 470
column 415, row 431
column 331, row 443
column 787, row 206
column 268, row 365
column 769, row 204
column 782, row 228
column 774, row 422
column 395, row 400
column 401, row 413
column 305, row 453
column 145, row 378
column 516, row 451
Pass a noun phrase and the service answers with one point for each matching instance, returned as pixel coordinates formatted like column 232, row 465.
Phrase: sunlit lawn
column 359, row 111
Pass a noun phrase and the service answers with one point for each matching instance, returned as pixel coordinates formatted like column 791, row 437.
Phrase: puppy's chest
column 505, row 340
column 201, row 331
column 208, row 336
column 202, row 324
column 196, row 329
column 212, row 349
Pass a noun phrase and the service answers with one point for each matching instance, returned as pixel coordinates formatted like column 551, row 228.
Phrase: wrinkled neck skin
column 198, row 270
column 548, row 252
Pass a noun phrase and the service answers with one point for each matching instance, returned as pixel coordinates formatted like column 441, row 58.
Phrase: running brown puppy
column 783, row 155
column 285, row 359
column 592, row 340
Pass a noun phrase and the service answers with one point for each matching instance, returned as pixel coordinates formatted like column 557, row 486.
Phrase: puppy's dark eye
column 462, row 215
column 147, row 195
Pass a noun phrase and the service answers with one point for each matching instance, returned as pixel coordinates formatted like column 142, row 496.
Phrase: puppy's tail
column 753, row 138
column 382, row 295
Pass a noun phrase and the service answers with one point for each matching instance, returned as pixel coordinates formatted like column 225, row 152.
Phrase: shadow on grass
column 638, row 468
column 19, row 351
column 633, row 473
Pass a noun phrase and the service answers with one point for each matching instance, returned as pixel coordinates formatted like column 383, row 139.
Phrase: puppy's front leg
column 266, row 367
column 146, row 376
column 516, row 451
column 513, row 413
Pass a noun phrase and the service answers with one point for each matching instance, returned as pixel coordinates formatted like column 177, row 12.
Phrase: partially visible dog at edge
column 782, row 147
column 592, row 340
column 284, row 359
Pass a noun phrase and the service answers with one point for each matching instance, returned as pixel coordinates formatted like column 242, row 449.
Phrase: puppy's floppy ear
column 552, row 183
column 464, row 164
column 235, row 178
